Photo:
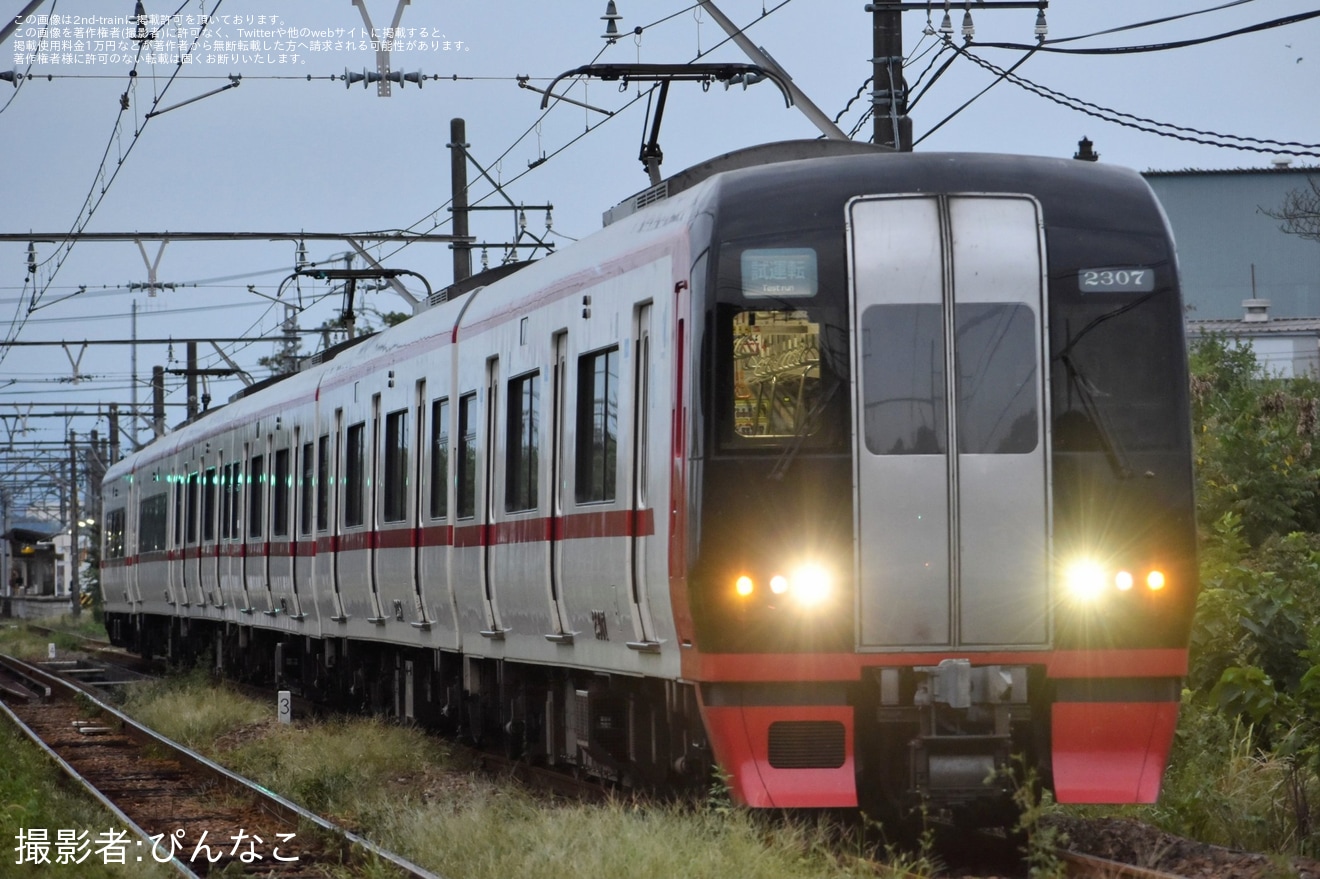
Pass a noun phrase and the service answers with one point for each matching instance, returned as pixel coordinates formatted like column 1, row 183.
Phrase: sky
column 295, row 147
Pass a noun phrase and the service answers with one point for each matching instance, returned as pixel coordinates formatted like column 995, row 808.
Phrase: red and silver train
column 854, row 476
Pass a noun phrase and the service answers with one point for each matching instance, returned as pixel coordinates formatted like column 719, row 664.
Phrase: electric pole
column 889, row 97
column 459, row 184
column 893, row 127
column 75, row 593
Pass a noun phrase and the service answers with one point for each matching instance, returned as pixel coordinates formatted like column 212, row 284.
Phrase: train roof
column 812, row 176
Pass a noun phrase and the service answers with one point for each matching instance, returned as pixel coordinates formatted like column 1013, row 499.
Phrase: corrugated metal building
column 1222, row 232
column 1242, row 275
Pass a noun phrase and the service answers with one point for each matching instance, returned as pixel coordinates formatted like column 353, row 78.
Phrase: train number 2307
column 1122, row 279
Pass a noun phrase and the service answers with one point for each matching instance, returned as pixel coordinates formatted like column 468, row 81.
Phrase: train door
column 229, row 590
column 562, row 632
column 253, row 580
column 178, row 558
column 490, row 601
column 417, row 477
column 191, row 546
column 328, row 468
column 281, row 558
column 951, row 466
column 206, row 556
column 640, row 536
column 366, row 483
column 304, row 545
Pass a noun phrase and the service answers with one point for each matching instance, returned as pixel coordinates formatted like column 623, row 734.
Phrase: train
column 846, row 476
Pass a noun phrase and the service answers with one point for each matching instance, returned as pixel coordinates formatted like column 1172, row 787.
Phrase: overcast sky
column 282, row 153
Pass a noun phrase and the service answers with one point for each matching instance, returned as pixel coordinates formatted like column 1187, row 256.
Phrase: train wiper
column 1087, row 392
column 804, row 429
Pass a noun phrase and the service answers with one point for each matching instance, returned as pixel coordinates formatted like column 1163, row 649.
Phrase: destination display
column 779, row 272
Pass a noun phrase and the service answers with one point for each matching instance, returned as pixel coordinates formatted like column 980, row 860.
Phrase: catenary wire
column 92, row 202
column 1151, row 126
column 1160, row 47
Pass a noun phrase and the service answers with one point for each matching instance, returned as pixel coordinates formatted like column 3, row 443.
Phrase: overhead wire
column 1151, row 126
column 1149, row 23
column 93, row 201
column 21, row 80
column 1161, row 47
column 588, row 130
column 938, row 125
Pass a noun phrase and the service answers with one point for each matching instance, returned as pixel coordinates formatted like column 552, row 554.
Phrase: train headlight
column 778, row 584
column 744, row 586
column 1085, row 579
column 1155, row 580
column 811, row 584
column 1123, row 580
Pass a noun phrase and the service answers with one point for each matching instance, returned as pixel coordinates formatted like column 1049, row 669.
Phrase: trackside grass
column 402, row 789
column 35, row 795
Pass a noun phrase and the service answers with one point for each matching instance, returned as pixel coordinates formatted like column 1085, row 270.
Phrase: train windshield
column 1117, row 344
column 776, row 373
column 783, row 347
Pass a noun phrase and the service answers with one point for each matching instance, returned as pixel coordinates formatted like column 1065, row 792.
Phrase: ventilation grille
column 630, row 206
column 656, row 193
column 807, row 744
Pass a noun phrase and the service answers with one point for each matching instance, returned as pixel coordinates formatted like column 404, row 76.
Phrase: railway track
column 70, row 724
column 994, row 854
column 1089, row 867
column 176, row 806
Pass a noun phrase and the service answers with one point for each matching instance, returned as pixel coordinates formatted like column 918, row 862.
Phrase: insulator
column 946, row 26
column 1041, row 27
column 611, row 19
column 549, row 221
column 350, row 78
column 968, row 29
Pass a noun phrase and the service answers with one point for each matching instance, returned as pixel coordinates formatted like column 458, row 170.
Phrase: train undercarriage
column 629, row 731
column 942, row 737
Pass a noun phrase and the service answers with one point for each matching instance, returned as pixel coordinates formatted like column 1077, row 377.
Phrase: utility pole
column 133, row 383
column 75, row 593
column 157, row 402
column 114, row 434
column 5, row 560
column 191, row 381
column 889, row 98
column 459, row 186
column 892, row 126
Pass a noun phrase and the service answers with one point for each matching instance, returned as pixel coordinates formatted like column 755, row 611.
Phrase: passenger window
column 355, row 458
column 522, row 445
column 323, row 483
column 307, row 488
column 208, row 505
column 114, row 533
column 279, row 484
column 152, row 516
column 396, row 466
column 256, row 496
column 439, row 505
column 190, row 514
column 597, row 426
column 467, row 456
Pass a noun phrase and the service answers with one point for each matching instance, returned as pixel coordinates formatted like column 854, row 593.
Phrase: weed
column 1043, row 840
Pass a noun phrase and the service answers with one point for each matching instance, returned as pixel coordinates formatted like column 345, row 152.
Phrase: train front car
column 941, row 497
